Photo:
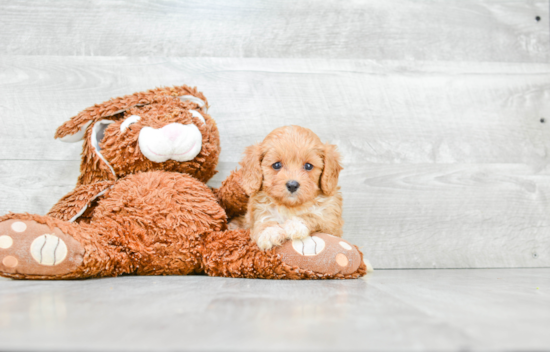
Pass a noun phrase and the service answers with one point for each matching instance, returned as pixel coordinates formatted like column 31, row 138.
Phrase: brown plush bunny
column 141, row 205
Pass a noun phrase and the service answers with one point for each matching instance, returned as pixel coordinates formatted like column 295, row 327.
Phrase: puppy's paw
column 296, row 229
column 271, row 236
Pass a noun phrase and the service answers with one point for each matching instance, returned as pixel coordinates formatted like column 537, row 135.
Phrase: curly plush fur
column 130, row 215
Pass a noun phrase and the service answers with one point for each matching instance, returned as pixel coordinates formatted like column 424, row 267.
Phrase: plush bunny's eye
column 129, row 120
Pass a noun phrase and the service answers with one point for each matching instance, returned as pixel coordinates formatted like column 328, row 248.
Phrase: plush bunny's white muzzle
column 174, row 141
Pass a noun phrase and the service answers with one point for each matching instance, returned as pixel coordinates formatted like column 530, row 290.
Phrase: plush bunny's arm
column 231, row 196
column 77, row 205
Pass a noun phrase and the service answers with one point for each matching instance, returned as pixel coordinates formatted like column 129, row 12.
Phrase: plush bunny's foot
column 29, row 248
column 322, row 253
column 321, row 256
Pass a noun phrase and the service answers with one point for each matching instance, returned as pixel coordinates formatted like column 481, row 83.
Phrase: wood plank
column 445, row 215
column 401, row 216
column 377, row 112
column 392, row 310
column 448, row 215
column 455, row 30
column 446, row 163
column 35, row 186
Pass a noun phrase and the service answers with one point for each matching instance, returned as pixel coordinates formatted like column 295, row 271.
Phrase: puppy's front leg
column 296, row 228
column 268, row 234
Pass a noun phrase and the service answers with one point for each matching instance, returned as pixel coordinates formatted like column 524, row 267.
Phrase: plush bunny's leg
column 42, row 247
column 321, row 256
column 323, row 253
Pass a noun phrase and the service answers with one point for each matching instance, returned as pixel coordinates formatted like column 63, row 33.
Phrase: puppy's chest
column 282, row 214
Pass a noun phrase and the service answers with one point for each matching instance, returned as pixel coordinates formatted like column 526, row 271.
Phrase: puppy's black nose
column 292, row 186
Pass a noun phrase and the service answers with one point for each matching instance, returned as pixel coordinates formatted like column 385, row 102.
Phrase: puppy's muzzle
column 292, row 186
column 174, row 141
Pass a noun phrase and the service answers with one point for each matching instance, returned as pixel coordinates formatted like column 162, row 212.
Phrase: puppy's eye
column 308, row 167
column 277, row 165
column 129, row 121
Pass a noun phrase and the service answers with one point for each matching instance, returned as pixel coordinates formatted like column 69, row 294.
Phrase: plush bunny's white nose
column 173, row 131
column 174, row 141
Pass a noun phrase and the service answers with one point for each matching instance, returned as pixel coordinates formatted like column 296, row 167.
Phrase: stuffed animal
column 141, row 205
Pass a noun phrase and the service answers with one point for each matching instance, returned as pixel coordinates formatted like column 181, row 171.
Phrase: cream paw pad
column 48, row 250
column 28, row 247
column 321, row 253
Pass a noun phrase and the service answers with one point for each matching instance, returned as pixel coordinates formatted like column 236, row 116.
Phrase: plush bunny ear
column 73, row 130
column 98, row 132
column 78, row 136
column 193, row 99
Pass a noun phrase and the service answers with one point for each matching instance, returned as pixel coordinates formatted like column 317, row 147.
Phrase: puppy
column 292, row 180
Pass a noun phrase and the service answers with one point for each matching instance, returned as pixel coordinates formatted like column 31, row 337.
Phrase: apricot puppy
column 292, row 180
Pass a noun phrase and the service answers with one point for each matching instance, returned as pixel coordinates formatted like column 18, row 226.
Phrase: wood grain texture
column 446, row 164
column 436, row 106
column 445, row 215
column 402, row 216
column 455, row 30
column 35, row 186
column 377, row 112
column 391, row 310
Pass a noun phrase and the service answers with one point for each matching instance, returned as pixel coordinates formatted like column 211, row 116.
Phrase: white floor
column 451, row 310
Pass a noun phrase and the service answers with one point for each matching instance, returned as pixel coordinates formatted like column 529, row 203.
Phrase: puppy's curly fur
column 275, row 211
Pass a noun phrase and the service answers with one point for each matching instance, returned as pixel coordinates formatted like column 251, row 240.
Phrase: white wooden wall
column 436, row 106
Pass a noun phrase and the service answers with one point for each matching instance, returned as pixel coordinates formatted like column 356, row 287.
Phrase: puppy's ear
column 331, row 170
column 252, row 176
